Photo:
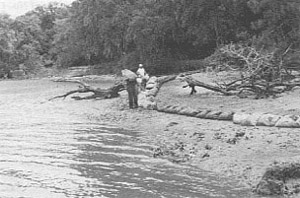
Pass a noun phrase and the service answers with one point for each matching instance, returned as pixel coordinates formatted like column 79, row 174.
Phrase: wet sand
column 54, row 149
column 217, row 146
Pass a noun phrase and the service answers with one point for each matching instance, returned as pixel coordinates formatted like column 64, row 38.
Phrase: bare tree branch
column 111, row 92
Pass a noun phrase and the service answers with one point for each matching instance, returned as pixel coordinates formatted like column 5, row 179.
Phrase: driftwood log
column 261, row 89
column 162, row 80
column 238, row 87
column 111, row 92
column 192, row 83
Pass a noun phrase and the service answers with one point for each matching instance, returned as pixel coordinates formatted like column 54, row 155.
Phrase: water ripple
column 62, row 155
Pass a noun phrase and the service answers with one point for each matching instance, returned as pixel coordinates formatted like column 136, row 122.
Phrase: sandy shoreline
column 218, row 146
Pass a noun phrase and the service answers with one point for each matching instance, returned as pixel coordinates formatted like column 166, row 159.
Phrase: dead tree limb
column 262, row 88
column 193, row 89
column 111, row 92
column 162, row 80
column 192, row 83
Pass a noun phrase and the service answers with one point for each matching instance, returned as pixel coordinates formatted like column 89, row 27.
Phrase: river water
column 53, row 151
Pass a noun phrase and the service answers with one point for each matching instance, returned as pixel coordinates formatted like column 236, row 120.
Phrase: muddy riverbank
column 218, row 146
column 67, row 148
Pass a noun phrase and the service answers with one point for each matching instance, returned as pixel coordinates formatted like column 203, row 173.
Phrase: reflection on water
column 54, row 153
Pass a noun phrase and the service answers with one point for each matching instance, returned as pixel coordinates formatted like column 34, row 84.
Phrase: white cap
column 140, row 65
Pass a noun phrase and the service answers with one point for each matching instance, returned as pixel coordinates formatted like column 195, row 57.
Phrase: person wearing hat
column 143, row 76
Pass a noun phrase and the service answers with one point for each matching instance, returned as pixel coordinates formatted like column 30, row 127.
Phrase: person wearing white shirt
column 143, row 76
column 141, row 71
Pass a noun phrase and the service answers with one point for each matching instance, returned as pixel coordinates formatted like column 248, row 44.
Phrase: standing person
column 143, row 76
column 131, row 87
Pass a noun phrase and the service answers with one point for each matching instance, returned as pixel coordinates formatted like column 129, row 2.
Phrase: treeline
column 158, row 33
column 27, row 42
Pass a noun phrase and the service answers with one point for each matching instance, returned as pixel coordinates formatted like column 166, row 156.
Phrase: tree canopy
column 155, row 32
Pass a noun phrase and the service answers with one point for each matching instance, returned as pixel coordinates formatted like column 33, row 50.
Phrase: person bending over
column 132, row 89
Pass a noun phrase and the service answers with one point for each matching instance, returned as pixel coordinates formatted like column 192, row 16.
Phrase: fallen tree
column 111, row 92
column 260, row 73
column 260, row 89
column 192, row 83
column 162, row 80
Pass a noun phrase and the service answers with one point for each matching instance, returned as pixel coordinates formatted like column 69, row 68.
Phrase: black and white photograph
column 149, row 98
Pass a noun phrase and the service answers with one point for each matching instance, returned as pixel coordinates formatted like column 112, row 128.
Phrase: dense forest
column 162, row 34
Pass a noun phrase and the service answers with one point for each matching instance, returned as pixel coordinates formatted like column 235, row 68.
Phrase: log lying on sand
column 162, row 80
column 154, row 84
column 261, row 89
column 193, row 83
column 111, row 92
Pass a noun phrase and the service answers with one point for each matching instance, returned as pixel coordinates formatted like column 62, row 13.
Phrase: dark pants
column 132, row 90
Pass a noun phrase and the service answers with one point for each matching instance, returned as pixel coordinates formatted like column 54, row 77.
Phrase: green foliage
column 26, row 41
column 7, row 43
column 157, row 32
column 154, row 32
column 278, row 23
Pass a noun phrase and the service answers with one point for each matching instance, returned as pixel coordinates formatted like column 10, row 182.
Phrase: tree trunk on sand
column 192, row 83
column 162, row 80
column 149, row 95
column 111, row 92
column 189, row 80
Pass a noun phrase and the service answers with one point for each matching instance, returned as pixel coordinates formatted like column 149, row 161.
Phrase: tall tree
column 98, row 31
column 278, row 24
